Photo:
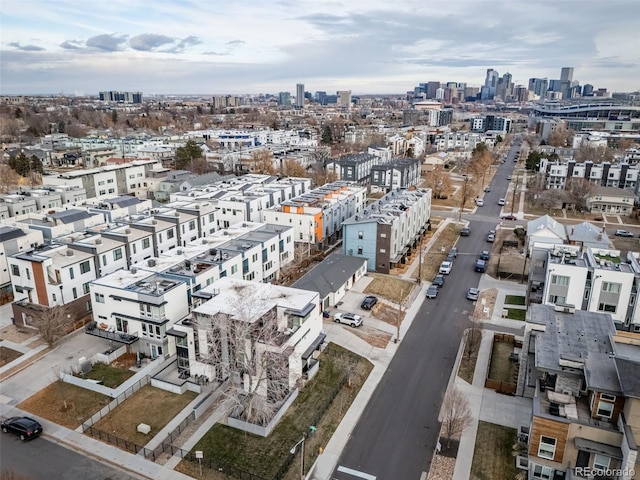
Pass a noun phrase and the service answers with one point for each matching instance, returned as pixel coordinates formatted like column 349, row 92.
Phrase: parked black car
column 465, row 232
column 438, row 281
column 24, row 427
column 368, row 302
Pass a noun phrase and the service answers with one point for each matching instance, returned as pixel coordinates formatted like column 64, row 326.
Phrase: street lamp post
column 293, row 451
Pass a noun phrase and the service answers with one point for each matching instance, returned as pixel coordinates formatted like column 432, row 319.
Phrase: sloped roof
column 330, row 274
column 588, row 233
column 70, row 216
column 9, row 233
column 629, row 376
column 546, row 222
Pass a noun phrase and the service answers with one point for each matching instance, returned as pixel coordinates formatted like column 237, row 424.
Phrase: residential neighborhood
column 440, row 284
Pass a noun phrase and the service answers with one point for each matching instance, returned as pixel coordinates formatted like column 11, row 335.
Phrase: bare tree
column 243, row 345
column 592, row 153
column 560, row 136
column 455, row 413
column 9, row 178
column 291, row 168
column 578, row 190
column 549, row 199
column 52, row 323
column 439, row 182
column 262, row 162
column 473, row 337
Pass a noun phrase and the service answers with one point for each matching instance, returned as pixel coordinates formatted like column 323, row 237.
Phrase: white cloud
column 213, row 46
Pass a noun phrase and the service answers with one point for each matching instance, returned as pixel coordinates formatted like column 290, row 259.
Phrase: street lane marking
column 356, row 473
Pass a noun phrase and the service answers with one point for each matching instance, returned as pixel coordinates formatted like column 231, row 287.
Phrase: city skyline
column 252, row 47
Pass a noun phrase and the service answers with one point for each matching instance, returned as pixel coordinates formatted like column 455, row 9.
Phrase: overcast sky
column 264, row 46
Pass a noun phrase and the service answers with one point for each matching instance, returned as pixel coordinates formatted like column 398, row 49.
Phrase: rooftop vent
column 70, row 253
column 98, row 241
column 151, row 262
column 133, row 270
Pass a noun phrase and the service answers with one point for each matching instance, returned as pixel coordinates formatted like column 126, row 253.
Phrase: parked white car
column 350, row 319
column 480, row 202
column 445, row 268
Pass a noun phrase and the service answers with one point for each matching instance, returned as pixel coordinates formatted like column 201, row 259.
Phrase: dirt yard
column 65, row 404
column 392, row 288
column 8, row 355
column 373, row 337
column 17, row 335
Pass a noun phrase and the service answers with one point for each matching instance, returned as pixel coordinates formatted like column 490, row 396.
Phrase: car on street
column 432, row 291
column 450, row 258
column 472, row 294
column 624, row 233
column 453, row 251
column 438, row 281
column 25, row 428
column 509, row 177
column 509, row 217
column 502, row 201
column 484, row 255
column 487, row 189
column 465, row 232
column 480, row 202
column 368, row 302
column 481, row 266
column 491, row 237
column 445, row 268
column 350, row 319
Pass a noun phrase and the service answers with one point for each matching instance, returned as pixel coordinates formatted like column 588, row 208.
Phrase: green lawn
column 264, row 456
column 516, row 314
column 493, row 454
column 111, row 377
column 514, row 300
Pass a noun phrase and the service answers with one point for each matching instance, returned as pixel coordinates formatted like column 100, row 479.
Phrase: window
column 607, row 397
column 145, row 243
column 557, row 299
column 133, row 246
column 607, row 307
column 359, row 250
column 28, row 272
column 74, row 292
column 547, row 448
column 112, row 190
column 559, row 280
column 85, row 267
column 85, row 288
column 53, row 295
column 301, row 236
column 605, row 409
column 104, row 260
column 360, row 235
column 601, row 462
column 15, row 270
column 71, row 274
column 542, row 472
column 610, row 287
column 170, row 233
column 117, row 254
column 234, row 269
column 99, row 297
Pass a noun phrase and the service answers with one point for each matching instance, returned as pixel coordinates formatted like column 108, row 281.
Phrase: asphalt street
column 397, row 433
column 43, row 459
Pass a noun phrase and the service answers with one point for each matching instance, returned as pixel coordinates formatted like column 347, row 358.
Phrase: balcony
column 92, row 329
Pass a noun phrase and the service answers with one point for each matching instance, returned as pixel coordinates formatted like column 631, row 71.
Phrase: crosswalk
column 355, row 473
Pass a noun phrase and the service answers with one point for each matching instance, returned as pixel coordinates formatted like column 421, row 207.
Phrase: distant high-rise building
column 566, row 74
column 491, row 84
column 566, row 82
column 440, row 93
column 284, row 98
column 121, row 97
column 320, row 97
column 539, row 86
column 344, row 98
column 431, row 89
column 555, row 85
column 587, row 90
column 300, row 95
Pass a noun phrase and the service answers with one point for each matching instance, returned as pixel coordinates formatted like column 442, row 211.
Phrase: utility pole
column 513, row 199
column 464, row 194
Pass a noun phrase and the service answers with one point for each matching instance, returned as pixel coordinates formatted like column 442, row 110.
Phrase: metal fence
column 115, row 402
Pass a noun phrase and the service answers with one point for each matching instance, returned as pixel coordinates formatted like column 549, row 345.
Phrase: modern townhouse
column 389, row 230
column 355, row 167
column 594, row 280
column 164, row 236
column 14, row 240
column 105, row 181
column 136, row 307
column 49, row 276
column 583, row 377
column 138, row 242
column 317, row 216
column 205, row 211
column 70, row 194
column 605, row 174
column 108, row 254
column 185, row 221
column 45, row 199
column 283, row 323
column 18, row 204
column 456, row 140
column 399, row 173
column 4, row 211
column 60, row 222
column 117, row 207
